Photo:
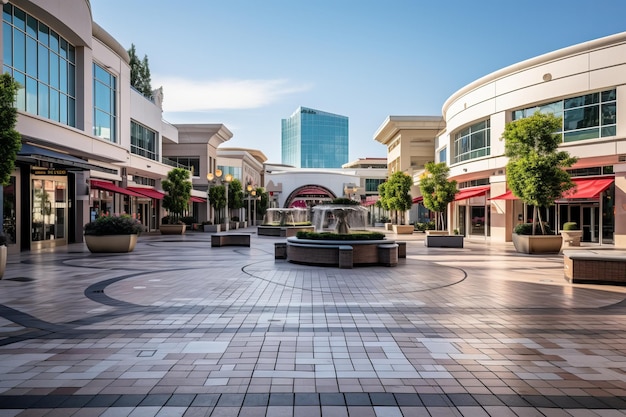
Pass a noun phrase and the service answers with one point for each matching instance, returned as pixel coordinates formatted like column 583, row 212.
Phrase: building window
column 190, row 163
column 43, row 63
column 234, row 171
column 443, row 155
column 473, row 142
column 371, row 184
column 143, row 141
column 589, row 116
column 104, row 93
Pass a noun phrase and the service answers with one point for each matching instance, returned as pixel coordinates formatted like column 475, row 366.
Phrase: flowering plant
column 114, row 225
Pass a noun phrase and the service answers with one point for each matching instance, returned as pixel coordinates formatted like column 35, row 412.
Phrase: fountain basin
column 344, row 253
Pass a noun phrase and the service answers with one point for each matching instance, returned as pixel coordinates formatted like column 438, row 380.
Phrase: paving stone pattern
column 178, row 328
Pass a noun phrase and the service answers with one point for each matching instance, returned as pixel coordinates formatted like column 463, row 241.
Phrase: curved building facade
column 584, row 84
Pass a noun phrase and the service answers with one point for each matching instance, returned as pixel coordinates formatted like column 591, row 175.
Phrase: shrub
column 235, row 218
column 422, row 227
column 337, row 236
column 188, row 220
column 114, row 225
column 570, row 226
column 345, row 201
column 527, row 229
column 170, row 220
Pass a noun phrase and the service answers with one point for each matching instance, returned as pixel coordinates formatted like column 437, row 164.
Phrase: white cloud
column 185, row 95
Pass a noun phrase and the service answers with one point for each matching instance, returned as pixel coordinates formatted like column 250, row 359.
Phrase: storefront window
column 49, row 209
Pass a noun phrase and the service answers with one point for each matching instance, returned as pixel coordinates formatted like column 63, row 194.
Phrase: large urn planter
column 173, row 229
column 111, row 243
column 403, row 229
column 572, row 237
column 537, row 244
column 3, row 260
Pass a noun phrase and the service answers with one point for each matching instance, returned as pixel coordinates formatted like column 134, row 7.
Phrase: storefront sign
column 49, row 171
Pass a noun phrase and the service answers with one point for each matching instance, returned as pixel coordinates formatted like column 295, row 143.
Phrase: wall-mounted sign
column 48, row 171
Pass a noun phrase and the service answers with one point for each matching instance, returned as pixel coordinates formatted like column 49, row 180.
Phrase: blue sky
column 249, row 64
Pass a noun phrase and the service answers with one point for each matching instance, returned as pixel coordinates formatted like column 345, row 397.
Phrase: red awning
column 506, row 196
column 195, row 199
column 588, row 187
column 148, row 192
column 418, row 200
column 466, row 193
column 370, row 200
column 108, row 186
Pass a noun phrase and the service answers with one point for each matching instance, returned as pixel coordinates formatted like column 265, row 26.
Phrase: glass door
column 49, row 212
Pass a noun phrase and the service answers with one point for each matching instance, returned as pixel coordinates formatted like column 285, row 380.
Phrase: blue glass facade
column 315, row 139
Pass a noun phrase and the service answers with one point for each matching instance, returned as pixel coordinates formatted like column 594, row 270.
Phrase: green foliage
column 345, row 201
column 337, row 236
column 10, row 139
column 395, row 193
column 178, row 189
column 114, row 225
column 422, row 227
column 527, row 229
column 139, row 72
column 535, row 171
column 436, row 189
column 235, row 194
column 570, row 226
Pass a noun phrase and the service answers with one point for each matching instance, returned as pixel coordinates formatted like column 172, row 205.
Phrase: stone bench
column 230, row 239
column 595, row 266
column 388, row 254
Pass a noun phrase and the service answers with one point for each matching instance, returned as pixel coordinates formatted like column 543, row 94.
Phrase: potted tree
column 117, row 234
column 10, row 144
column 176, row 201
column 438, row 191
column 395, row 196
column 535, row 174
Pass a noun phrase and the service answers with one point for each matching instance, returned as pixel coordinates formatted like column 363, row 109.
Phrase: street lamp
column 218, row 179
column 250, row 188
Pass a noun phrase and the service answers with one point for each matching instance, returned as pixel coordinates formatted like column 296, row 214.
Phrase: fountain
column 284, row 222
column 340, row 249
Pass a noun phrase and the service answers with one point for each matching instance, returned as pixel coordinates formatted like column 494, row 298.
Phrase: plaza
column 180, row 328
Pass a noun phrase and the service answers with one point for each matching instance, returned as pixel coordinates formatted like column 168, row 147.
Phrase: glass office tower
column 314, row 139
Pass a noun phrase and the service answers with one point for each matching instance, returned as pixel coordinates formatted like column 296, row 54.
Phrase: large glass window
column 473, row 142
column 589, row 116
column 143, row 141
column 43, row 63
column 191, row 163
column 104, row 93
column 371, row 184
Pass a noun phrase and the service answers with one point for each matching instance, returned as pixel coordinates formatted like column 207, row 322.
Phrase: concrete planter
column 437, row 233
column 537, row 244
column 111, row 243
column 403, row 229
column 173, row 229
column 212, row 228
column 3, row 260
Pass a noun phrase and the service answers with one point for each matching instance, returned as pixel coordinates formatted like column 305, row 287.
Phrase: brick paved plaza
column 177, row 328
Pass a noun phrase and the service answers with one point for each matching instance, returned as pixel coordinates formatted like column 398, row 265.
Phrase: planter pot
column 111, row 243
column 389, row 226
column 443, row 241
column 403, row 229
column 212, row 228
column 173, row 229
column 572, row 237
column 537, row 244
column 3, row 260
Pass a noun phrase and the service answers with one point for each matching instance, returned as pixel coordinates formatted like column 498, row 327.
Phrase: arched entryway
column 309, row 196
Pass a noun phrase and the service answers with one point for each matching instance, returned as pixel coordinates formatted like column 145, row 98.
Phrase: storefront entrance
column 49, row 211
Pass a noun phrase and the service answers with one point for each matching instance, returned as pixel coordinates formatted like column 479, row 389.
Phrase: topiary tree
column 10, row 139
column 235, row 194
column 178, row 189
column 217, row 199
column 437, row 190
column 395, row 194
column 535, row 172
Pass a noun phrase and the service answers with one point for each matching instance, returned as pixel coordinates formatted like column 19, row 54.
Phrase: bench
column 388, row 254
column 230, row 239
column 595, row 266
